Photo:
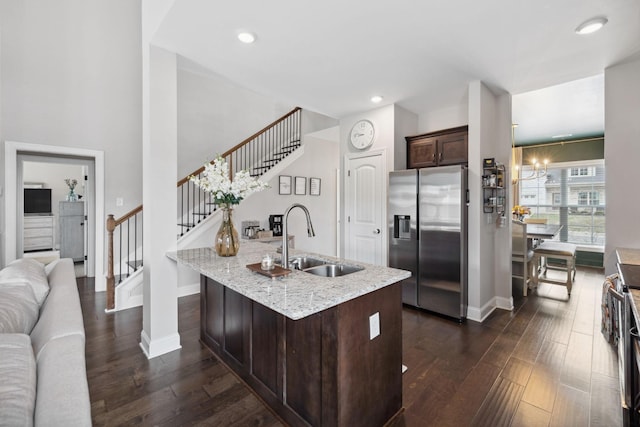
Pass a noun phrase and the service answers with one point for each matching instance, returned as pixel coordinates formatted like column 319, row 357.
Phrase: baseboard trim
column 158, row 347
column 187, row 290
column 481, row 314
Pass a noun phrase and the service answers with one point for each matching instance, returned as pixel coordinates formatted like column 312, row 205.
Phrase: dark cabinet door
column 452, row 149
column 441, row 148
column 421, row 153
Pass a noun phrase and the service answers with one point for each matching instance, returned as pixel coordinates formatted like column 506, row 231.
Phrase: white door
column 365, row 201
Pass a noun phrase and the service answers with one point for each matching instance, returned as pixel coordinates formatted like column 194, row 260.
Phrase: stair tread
column 135, row 264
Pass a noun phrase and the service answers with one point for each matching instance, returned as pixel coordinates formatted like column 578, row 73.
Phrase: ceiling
column 332, row 56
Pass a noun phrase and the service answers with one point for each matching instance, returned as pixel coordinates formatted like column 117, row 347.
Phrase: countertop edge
column 273, row 293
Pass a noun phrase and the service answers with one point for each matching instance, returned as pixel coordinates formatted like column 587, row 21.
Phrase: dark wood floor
column 545, row 363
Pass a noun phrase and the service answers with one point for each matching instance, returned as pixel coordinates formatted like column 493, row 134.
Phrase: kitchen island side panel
column 369, row 371
column 327, row 370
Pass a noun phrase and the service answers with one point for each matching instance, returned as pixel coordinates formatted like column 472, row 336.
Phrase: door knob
column 376, row 231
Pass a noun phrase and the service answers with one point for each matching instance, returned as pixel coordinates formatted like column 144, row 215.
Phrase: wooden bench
column 556, row 250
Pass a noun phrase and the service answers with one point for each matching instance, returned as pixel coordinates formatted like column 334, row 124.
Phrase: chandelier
column 539, row 170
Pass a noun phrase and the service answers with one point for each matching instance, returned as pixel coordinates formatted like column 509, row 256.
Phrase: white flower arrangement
column 71, row 183
column 227, row 192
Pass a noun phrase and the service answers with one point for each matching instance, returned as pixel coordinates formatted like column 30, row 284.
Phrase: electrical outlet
column 374, row 325
column 119, row 201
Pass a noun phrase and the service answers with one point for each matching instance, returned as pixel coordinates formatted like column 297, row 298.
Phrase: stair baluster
column 257, row 154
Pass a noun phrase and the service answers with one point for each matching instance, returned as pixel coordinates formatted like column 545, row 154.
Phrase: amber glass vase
column 227, row 241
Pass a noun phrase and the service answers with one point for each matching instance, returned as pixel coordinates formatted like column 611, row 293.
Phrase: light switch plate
column 374, row 325
column 119, row 201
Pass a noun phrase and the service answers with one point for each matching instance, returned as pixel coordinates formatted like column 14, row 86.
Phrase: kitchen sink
column 303, row 262
column 321, row 267
column 333, row 270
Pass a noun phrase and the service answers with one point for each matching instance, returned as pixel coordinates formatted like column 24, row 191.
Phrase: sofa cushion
column 18, row 309
column 61, row 313
column 63, row 392
column 18, row 385
column 27, row 271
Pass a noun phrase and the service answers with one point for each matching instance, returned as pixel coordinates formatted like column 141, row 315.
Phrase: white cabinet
column 38, row 232
column 71, row 224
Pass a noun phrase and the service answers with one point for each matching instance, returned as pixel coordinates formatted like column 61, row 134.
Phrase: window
column 581, row 172
column 571, row 194
column 583, row 198
column 588, row 198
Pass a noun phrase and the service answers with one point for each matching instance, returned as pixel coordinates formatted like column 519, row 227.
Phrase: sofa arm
column 62, row 397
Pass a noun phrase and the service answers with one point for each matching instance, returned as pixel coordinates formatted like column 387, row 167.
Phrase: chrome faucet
column 285, row 238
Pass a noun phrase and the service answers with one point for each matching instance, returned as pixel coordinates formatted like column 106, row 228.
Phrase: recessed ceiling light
column 376, row 98
column 246, row 37
column 591, row 26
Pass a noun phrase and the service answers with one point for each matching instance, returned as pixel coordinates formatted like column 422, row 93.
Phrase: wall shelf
column 493, row 189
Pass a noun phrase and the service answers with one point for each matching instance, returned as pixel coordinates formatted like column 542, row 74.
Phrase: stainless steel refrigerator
column 427, row 219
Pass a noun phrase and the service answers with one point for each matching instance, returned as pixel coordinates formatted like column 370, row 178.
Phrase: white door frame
column 348, row 199
column 11, row 150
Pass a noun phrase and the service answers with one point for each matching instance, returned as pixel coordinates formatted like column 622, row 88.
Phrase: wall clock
column 362, row 134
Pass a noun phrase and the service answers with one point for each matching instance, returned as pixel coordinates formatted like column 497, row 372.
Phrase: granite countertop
column 628, row 256
column 296, row 295
column 629, row 260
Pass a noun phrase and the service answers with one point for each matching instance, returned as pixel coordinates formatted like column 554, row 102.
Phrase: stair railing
column 129, row 250
column 257, row 154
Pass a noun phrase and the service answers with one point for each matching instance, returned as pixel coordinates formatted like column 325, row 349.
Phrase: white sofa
column 42, row 346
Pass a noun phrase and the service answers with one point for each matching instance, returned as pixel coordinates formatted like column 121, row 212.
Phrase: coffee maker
column 275, row 224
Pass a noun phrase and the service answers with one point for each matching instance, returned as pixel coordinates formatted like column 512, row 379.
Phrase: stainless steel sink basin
column 320, row 267
column 303, row 262
column 333, row 270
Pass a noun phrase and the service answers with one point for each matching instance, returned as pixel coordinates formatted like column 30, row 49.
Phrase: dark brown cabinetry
column 321, row 370
column 445, row 147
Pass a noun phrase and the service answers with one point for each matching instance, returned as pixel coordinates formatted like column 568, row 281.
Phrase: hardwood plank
column 571, row 408
column 500, row 405
column 502, row 348
column 605, row 401
column 541, row 389
column 465, row 403
column 530, row 416
column 576, row 371
column 517, row 371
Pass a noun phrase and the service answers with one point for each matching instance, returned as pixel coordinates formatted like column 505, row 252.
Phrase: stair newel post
column 111, row 226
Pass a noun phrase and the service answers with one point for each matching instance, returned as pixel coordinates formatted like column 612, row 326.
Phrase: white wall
column 489, row 244
column 383, row 119
column 406, row 123
column 622, row 153
column 64, row 83
column 320, row 160
column 445, row 118
column 215, row 114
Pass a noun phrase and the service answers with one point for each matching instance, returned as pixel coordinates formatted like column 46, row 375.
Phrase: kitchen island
column 320, row 351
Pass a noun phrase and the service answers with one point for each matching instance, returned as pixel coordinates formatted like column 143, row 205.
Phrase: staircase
column 258, row 154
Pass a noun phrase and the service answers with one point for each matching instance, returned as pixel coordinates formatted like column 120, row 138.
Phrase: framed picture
column 314, row 186
column 300, row 185
column 285, row 184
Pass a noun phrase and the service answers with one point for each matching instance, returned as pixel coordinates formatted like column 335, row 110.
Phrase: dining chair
column 521, row 254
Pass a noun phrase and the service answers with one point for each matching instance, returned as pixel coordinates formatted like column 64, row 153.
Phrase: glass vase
column 72, row 196
column 227, row 241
